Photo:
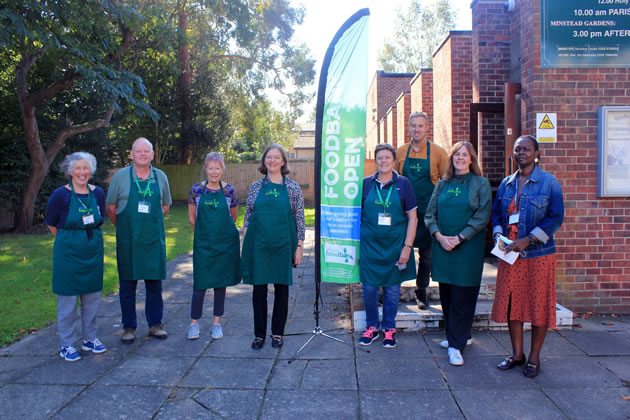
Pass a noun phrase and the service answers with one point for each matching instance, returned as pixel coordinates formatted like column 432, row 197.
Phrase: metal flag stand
column 321, row 96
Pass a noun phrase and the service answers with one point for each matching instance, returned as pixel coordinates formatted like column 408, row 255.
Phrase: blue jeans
column 391, row 297
column 153, row 307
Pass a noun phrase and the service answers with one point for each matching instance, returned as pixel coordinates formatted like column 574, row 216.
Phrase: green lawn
column 26, row 296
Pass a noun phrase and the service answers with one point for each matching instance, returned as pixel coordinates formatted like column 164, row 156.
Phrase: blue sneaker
column 193, row 331
column 69, row 353
column 217, row 331
column 94, row 346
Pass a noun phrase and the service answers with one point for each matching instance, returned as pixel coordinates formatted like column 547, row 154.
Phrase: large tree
column 419, row 30
column 246, row 45
column 83, row 48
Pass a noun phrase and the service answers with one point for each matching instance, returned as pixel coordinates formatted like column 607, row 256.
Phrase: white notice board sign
column 546, row 127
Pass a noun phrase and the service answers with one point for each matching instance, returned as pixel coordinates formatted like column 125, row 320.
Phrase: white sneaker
column 444, row 343
column 455, row 357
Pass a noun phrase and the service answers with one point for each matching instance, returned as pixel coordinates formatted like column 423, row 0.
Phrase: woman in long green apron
column 74, row 216
column 456, row 216
column 274, row 237
column 212, row 211
column 388, row 228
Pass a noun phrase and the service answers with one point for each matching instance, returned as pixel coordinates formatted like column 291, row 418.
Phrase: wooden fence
column 241, row 176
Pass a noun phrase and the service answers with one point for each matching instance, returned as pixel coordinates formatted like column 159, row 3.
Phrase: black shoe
column 276, row 342
column 258, row 343
column 421, row 298
column 531, row 370
column 510, row 363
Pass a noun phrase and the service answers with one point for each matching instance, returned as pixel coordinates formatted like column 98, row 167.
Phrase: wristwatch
column 408, row 246
column 532, row 239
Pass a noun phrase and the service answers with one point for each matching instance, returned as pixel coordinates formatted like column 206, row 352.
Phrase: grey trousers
column 67, row 317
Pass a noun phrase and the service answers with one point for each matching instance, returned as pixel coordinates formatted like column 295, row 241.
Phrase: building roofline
column 448, row 36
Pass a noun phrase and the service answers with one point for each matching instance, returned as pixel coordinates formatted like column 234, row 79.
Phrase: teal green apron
column 463, row 265
column 140, row 244
column 216, row 252
column 271, row 238
column 77, row 253
column 380, row 245
column 418, row 171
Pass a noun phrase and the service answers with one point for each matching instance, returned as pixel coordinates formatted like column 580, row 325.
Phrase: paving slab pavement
column 585, row 371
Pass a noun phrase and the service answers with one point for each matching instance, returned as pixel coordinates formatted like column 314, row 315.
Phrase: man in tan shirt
column 423, row 163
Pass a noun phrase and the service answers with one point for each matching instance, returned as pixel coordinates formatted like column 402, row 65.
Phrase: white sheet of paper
column 510, row 257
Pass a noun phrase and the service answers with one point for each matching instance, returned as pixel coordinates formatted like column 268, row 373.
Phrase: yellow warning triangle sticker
column 546, row 123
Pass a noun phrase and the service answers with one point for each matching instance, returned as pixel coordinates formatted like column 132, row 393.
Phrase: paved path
column 585, row 372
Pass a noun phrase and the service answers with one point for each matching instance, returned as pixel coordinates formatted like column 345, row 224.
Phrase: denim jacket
column 541, row 210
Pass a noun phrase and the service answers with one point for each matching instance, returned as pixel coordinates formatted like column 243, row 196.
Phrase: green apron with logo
column 78, row 250
column 463, row 265
column 271, row 238
column 380, row 245
column 418, row 171
column 140, row 243
column 216, row 256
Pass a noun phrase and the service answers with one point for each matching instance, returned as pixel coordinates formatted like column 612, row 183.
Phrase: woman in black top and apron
column 212, row 211
column 74, row 216
column 274, row 237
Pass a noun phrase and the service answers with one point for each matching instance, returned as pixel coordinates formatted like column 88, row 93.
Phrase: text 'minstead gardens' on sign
column 585, row 33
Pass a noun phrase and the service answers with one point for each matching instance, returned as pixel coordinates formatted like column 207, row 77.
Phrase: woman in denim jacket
column 528, row 209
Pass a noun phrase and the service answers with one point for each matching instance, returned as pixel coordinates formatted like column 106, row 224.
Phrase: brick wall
column 392, row 128
column 382, row 94
column 452, row 89
column 403, row 107
column 491, row 51
column 594, row 243
column 422, row 95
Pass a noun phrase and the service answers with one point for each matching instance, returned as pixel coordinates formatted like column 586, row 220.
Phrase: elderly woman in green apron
column 456, row 216
column 212, row 211
column 274, row 237
column 388, row 228
column 74, row 216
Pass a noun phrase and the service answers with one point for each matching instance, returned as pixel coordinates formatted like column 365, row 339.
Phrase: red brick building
column 487, row 86
column 382, row 94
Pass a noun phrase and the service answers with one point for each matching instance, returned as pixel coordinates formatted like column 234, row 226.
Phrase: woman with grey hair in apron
column 74, row 217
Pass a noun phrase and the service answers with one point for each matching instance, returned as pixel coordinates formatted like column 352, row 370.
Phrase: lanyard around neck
column 89, row 210
column 146, row 190
column 380, row 197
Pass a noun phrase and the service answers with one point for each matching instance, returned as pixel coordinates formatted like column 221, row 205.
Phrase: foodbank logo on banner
column 342, row 254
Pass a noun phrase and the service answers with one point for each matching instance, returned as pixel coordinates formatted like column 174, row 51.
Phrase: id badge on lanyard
column 88, row 219
column 513, row 219
column 144, row 207
column 384, row 219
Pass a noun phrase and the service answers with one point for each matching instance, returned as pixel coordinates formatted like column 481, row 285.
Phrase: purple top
column 228, row 190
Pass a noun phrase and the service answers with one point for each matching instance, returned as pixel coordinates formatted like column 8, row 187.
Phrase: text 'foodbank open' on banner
column 342, row 153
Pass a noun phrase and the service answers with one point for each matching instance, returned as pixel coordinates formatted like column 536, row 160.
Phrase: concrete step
column 410, row 318
column 486, row 289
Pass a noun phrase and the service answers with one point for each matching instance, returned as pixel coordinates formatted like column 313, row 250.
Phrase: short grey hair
column 419, row 114
column 68, row 162
column 214, row 157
